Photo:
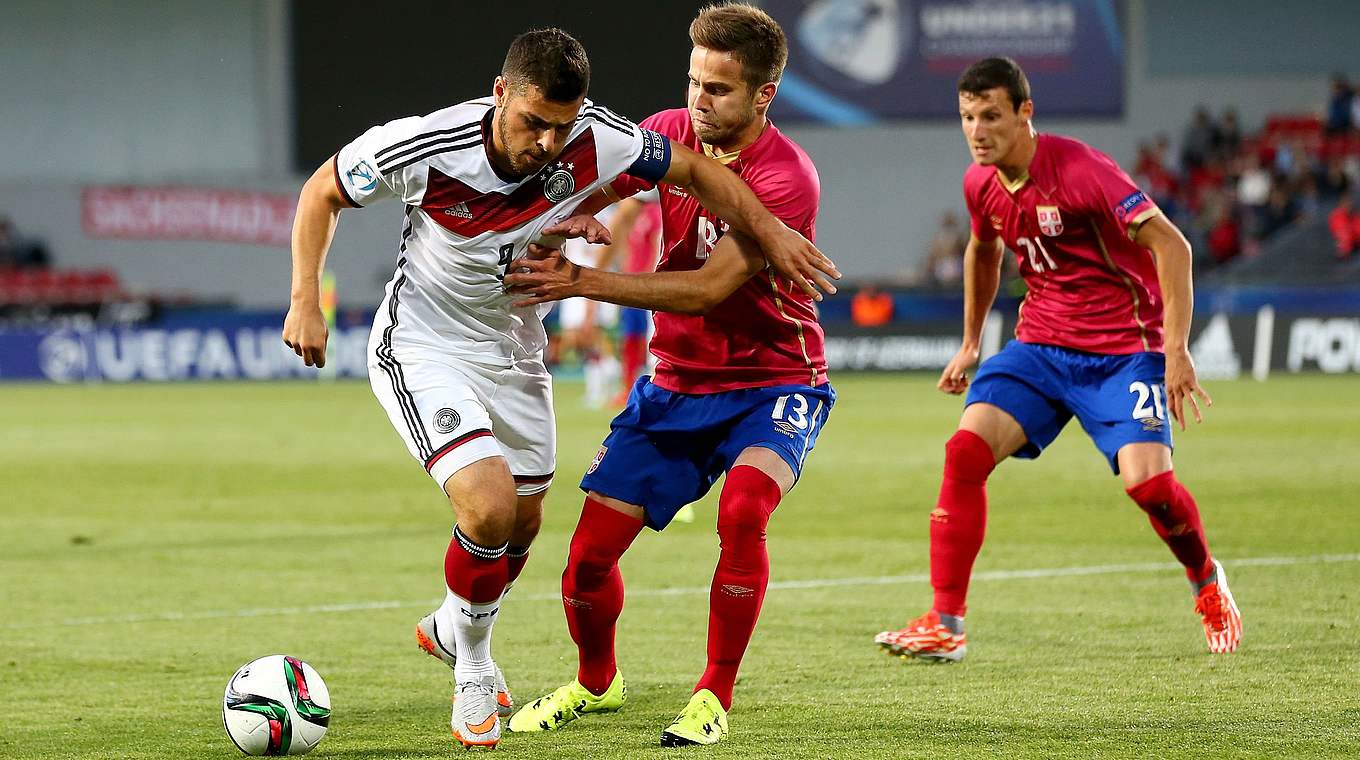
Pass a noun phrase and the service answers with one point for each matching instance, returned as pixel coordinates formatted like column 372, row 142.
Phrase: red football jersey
column 766, row 333
column 1071, row 222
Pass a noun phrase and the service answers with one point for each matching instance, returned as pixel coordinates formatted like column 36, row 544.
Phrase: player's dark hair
column 551, row 60
column 991, row 73
column 749, row 34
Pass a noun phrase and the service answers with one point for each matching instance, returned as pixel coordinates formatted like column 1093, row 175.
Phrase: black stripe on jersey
column 388, row 164
column 451, row 131
column 601, row 112
column 387, row 361
column 620, row 126
column 435, row 149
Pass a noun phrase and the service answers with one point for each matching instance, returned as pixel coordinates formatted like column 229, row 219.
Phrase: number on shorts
column 1146, row 391
column 797, row 415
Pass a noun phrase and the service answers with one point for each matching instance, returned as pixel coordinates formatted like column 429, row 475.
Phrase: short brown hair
column 551, row 60
column 749, row 34
column 990, row 73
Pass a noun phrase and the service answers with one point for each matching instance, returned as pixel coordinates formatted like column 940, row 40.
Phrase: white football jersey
column 465, row 223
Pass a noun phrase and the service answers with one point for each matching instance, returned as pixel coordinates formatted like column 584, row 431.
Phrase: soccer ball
column 276, row 705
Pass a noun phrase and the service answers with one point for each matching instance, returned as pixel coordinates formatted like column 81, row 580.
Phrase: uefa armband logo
column 362, row 176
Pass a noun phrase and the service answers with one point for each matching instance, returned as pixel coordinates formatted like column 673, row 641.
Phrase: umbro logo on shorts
column 446, row 420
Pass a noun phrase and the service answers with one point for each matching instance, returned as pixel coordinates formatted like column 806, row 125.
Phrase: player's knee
column 968, row 457
column 1154, row 492
column 489, row 527
column 748, row 499
column 589, row 558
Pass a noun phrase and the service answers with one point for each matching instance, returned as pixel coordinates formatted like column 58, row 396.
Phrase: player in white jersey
column 457, row 368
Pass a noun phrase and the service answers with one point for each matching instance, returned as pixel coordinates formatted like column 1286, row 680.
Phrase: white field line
column 633, row 593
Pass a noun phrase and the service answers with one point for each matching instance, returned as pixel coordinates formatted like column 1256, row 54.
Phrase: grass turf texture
column 155, row 538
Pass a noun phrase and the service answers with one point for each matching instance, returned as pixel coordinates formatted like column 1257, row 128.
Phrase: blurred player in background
column 637, row 221
column 458, row 369
column 585, row 326
column 1104, row 269
column 740, row 387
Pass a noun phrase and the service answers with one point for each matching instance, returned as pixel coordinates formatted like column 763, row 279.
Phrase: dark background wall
column 350, row 73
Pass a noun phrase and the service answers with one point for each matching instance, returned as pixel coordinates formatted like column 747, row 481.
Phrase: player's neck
column 1015, row 166
column 743, row 139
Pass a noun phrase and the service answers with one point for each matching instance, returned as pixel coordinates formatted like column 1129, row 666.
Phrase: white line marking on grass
column 810, row 583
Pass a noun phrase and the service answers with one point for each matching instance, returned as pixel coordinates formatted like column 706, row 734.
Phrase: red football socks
column 749, row 497
column 474, row 572
column 592, row 589
column 960, row 519
column 1173, row 514
column 515, row 559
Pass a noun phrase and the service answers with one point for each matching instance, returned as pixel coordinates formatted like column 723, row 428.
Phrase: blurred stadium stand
column 242, row 100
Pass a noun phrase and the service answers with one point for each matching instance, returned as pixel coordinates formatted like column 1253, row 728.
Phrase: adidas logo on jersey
column 459, row 210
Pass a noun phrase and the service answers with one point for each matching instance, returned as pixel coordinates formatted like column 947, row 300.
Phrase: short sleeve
column 376, row 165
column 1106, row 192
column 980, row 225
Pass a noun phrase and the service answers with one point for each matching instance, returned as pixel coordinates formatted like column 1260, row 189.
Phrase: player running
column 1103, row 267
column 458, row 369
column 740, row 386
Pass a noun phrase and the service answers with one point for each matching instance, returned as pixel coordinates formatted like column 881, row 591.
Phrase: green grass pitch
column 156, row 537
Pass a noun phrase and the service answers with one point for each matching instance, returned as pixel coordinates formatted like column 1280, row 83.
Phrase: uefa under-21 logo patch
column 560, row 183
column 1050, row 221
column 1133, row 201
column 446, row 420
column 362, row 176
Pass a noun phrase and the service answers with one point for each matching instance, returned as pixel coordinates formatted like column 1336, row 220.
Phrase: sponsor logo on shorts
column 446, row 420
column 786, row 428
column 599, row 457
column 1151, row 424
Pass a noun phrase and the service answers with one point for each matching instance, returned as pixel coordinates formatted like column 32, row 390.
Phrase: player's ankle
column 953, row 622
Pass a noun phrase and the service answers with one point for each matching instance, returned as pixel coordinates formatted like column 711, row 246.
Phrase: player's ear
column 765, row 94
column 500, row 91
column 1027, row 110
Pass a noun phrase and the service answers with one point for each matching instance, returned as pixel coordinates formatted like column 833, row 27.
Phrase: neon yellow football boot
column 703, row 721
column 567, row 703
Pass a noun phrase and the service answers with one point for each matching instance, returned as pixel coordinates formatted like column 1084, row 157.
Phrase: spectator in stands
column 17, row 252
column 1198, row 141
column 871, row 307
column 1333, row 182
column 1225, row 235
column 1281, row 210
column 1227, row 136
column 944, row 262
column 1341, row 106
column 1344, row 222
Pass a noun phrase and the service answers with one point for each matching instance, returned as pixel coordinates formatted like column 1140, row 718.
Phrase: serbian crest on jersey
column 1050, row 221
column 560, row 183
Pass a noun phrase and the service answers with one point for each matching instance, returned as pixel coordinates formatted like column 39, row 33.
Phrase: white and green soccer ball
column 276, row 705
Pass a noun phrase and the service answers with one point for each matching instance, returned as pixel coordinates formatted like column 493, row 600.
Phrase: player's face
column 720, row 102
column 992, row 126
column 532, row 129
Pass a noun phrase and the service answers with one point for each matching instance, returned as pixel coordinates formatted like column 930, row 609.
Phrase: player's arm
column 621, row 226
column 318, row 211
column 722, row 192
column 981, row 278
column 1172, row 253
column 550, row 276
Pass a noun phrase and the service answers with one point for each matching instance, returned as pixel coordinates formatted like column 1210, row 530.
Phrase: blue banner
column 186, row 346
column 861, row 61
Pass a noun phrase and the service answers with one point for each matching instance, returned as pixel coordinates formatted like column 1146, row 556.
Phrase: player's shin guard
column 475, row 576
column 960, row 519
column 749, row 497
column 592, row 589
column 1173, row 514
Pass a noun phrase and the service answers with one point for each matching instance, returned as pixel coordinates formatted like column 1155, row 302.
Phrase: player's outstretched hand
column 793, row 256
column 954, row 379
column 304, row 331
column 541, row 276
column 1182, row 385
column 581, row 226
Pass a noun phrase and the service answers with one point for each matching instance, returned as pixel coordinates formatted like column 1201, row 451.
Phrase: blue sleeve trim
column 654, row 160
